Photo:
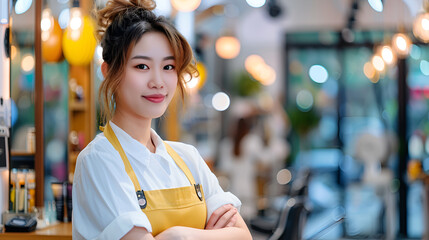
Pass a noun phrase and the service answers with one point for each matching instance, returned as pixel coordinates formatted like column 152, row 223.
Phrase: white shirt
column 105, row 204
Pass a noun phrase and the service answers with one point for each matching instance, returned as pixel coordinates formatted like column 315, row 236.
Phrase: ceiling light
column 227, row 47
column 377, row 5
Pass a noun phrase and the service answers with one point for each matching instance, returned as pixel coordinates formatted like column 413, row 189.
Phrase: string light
column 388, row 55
column 401, row 44
column 370, row 72
column 378, row 63
column 421, row 27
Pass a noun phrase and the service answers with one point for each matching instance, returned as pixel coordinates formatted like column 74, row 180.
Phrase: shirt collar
column 137, row 150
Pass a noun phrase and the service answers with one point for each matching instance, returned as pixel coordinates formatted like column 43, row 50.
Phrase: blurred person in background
column 251, row 156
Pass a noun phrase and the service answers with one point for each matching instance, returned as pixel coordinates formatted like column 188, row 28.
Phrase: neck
column 137, row 128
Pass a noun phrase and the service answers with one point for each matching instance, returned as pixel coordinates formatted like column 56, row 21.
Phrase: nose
column 156, row 80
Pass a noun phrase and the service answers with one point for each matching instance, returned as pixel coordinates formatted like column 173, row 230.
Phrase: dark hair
column 242, row 128
column 121, row 24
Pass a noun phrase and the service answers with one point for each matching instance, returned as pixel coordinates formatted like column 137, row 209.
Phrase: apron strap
column 110, row 135
column 179, row 161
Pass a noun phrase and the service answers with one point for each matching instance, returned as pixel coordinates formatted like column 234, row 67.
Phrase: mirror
column 39, row 106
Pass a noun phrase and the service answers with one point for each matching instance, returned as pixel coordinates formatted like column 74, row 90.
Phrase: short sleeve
column 104, row 202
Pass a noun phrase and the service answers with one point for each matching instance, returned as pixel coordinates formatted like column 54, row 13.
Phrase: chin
column 157, row 114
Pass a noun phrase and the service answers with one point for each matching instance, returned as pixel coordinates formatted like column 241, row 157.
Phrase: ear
column 104, row 68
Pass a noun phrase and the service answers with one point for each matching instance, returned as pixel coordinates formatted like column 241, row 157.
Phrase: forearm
column 233, row 233
column 238, row 232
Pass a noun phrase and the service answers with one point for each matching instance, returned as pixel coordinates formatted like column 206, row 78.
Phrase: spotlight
column 274, row 8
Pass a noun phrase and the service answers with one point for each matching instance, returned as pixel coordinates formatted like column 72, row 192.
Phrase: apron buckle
column 198, row 191
column 141, row 199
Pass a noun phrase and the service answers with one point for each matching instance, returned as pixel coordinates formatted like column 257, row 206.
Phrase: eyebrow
column 149, row 58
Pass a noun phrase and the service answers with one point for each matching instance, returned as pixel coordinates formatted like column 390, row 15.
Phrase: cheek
column 132, row 82
column 173, row 83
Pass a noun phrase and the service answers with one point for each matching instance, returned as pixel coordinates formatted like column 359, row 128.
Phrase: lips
column 155, row 98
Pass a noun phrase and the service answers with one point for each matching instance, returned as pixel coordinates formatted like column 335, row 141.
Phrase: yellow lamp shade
column 79, row 45
column 52, row 43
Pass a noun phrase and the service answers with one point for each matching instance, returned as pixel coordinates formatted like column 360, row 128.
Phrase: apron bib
column 165, row 208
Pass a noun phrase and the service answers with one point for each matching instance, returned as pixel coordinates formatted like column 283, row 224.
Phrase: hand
column 224, row 216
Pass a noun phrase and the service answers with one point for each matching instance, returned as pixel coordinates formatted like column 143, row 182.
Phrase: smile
column 156, row 98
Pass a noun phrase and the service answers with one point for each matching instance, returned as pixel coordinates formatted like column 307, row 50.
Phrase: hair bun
column 146, row 4
column 115, row 8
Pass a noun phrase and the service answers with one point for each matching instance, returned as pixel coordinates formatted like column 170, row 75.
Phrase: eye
column 142, row 66
column 169, row 67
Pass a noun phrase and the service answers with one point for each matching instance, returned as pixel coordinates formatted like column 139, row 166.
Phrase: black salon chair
column 290, row 220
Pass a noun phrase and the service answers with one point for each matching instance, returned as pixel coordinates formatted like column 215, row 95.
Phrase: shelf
column 77, row 106
column 19, row 154
column 81, row 113
column 60, row 231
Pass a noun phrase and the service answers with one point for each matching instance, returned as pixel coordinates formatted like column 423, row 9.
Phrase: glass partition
column 344, row 128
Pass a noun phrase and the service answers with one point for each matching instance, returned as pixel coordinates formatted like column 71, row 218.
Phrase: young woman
column 128, row 182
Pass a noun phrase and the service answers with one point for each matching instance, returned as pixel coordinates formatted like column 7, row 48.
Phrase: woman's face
column 150, row 78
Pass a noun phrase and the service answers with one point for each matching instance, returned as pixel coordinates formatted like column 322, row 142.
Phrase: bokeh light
column 256, row 3
column 220, row 101
column 424, row 67
column 401, row 44
column 415, row 146
column 227, row 47
column 377, row 5
column 369, row 70
column 304, row 100
column 284, row 176
column 185, row 5
column 64, row 18
column 421, row 27
column 27, row 63
column 256, row 66
column 318, row 73
column 415, row 52
column 378, row 63
column 388, row 56
column 22, row 6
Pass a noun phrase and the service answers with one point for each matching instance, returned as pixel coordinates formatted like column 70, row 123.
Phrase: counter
column 60, row 231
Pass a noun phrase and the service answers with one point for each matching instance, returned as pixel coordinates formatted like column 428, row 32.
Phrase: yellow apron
column 165, row 208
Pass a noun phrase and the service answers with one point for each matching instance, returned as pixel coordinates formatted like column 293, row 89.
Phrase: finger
column 232, row 221
column 225, row 218
column 217, row 214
